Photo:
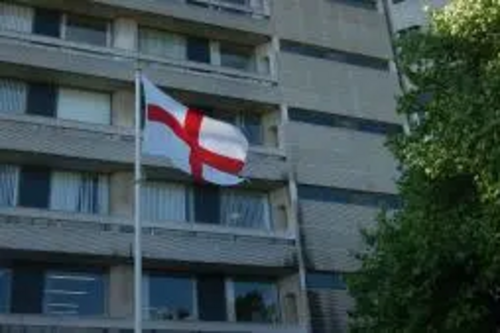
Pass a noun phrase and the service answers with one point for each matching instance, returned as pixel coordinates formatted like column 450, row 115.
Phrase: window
column 9, row 176
column 47, row 22
column 169, row 297
column 74, row 293
column 245, row 209
column 16, row 18
column 237, row 57
column 39, row 187
column 34, row 187
column 164, row 202
column 251, row 125
column 368, row 4
column 83, row 105
column 161, row 43
column 12, row 96
column 348, row 196
column 256, row 302
column 42, row 99
column 211, row 294
column 5, row 277
column 320, row 280
column 335, row 55
column 198, row 50
column 86, row 30
column 341, row 121
column 80, row 192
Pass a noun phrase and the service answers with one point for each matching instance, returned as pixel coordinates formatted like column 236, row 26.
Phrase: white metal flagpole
column 137, row 209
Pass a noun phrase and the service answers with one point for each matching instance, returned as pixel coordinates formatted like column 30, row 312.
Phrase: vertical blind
column 9, row 176
column 80, row 192
column 162, row 43
column 82, row 105
column 245, row 209
column 164, row 202
column 16, row 18
column 12, row 96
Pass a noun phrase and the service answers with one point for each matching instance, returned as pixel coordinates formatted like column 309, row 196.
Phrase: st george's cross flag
column 208, row 149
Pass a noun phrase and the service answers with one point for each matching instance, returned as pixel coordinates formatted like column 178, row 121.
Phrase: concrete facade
column 340, row 71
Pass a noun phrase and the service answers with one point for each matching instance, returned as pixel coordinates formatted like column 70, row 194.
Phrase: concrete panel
column 330, row 86
column 121, row 291
column 331, row 233
column 344, row 158
column 332, row 25
column 62, row 234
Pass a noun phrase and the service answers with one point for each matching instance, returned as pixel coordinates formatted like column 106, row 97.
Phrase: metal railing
column 54, row 324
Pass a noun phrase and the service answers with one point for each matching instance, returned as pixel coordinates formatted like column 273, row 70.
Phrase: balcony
column 106, row 145
column 96, row 235
column 111, row 63
column 45, row 324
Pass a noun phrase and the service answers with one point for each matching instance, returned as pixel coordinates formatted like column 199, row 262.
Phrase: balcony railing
column 256, row 8
column 49, row 324
column 185, row 66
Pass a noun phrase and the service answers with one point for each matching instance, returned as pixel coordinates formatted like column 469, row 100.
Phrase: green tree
column 434, row 266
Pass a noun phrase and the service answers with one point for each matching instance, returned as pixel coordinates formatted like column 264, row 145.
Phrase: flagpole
column 137, row 208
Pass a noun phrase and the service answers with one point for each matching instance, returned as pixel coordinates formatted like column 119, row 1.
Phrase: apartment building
column 411, row 14
column 311, row 84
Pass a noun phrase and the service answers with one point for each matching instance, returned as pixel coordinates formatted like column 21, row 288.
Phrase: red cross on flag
column 208, row 149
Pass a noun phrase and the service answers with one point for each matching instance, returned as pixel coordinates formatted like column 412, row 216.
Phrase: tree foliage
column 434, row 266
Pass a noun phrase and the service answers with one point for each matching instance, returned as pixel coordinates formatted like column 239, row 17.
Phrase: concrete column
column 125, row 34
column 280, row 206
column 290, row 300
column 122, row 110
column 121, row 194
column 121, row 292
column 270, row 125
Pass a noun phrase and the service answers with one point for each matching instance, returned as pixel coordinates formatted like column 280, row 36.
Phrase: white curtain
column 245, row 209
column 12, row 96
column 80, row 192
column 9, row 176
column 15, row 17
column 163, row 202
column 83, row 105
column 162, row 44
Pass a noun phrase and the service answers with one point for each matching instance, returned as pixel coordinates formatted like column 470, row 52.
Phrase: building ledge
column 77, row 324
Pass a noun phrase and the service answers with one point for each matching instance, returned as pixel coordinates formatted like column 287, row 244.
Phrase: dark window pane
column 34, row 187
column 74, row 293
column 368, row 4
column 198, row 49
column 207, row 204
column 27, row 289
column 333, row 281
column 170, row 298
column 86, row 30
column 251, row 126
column 5, row 287
column 212, row 298
column 347, row 196
column 47, row 22
column 42, row 99
column 237, row 57
column 335, row 55
column 341, row 121
column 256, row 302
